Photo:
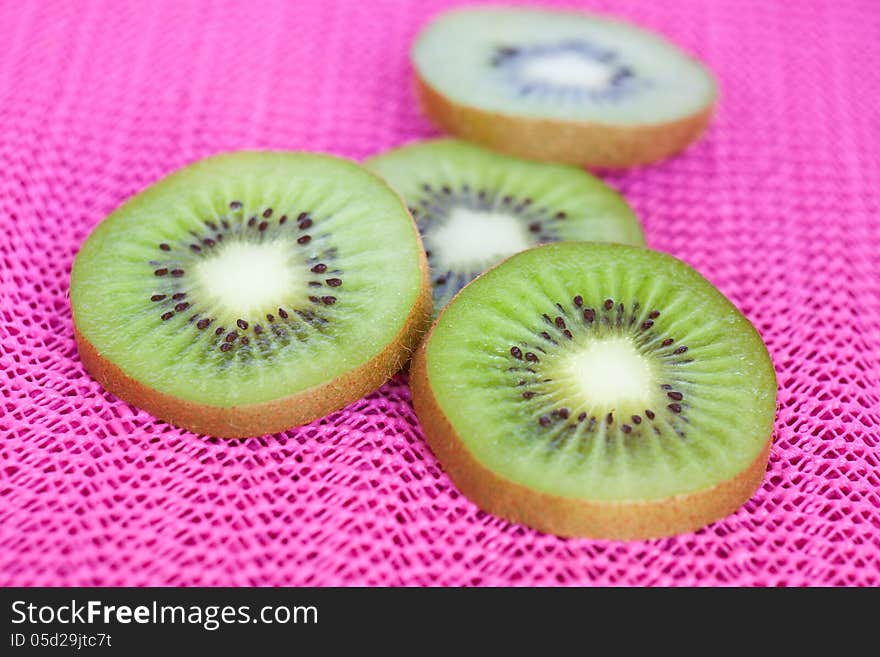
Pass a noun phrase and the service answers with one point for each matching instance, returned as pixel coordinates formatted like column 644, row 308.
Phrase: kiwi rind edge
column 568, row 517
column 584, row 143
column 274, row 415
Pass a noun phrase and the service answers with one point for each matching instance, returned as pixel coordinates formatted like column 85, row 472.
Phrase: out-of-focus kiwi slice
column 560, row 85
column 475, row 207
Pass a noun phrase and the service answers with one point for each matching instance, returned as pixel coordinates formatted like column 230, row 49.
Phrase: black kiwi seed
column 161, row 271
column 561, row 215
column 242, row 324
column 582, row 417
column 560, row 323
column 195, row 247
column 626, row 428
column 532, row 358
column 647, row 324
column 516, row 352
column 267, row 213
column 245, row 340
column 282, row 313
column 270, row 317
column 609, row 304
column 178, row 295
column 252, row 221
column 203, row 324
column 680, row 350
column 334, row 282
column 675, row 408
column 578, row 301
column 563, row 413
column 320, row 268
column 157, row 297
column 528, row 394
column 263, row 226
column 231, row 336
column 235, row 205
column 609, row 418
column 654, row 314
column 225, row 346
column 305, row 239
column 283, row 220
column 305, row 223
column 208, row 242
column 677, row 396
column 258, row 329
column 535, row 227
column 181, row 306
column 568, row 334
column 314, row 299
column 328, row 300
column 177, row 273
column 544, row 421
column 589, row 315
column 667, row 342
column 649, row 413
column 637, row 419
column 302, row 215
column 164, row 247
column 167, row 316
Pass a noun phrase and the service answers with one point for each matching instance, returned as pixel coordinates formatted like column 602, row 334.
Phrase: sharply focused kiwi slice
column 562, row 86
column 475, row 207
column 597, row 390
column 251, row 292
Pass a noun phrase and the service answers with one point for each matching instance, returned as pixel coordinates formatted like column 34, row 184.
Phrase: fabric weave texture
column 777, row 206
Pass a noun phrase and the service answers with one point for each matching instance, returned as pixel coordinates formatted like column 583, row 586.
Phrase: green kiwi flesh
column 475, row 207
column 249, row 277
column 560, row 65
column 600, row 372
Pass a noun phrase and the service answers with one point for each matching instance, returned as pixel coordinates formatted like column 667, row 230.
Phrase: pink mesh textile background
column 778, row 206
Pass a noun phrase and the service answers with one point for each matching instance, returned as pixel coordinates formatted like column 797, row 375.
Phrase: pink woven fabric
column 778, row 206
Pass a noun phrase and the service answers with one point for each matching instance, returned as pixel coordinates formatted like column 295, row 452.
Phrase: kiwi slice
column 475, row 207
column 251, row 292
column 597, row 390
column 560, row 85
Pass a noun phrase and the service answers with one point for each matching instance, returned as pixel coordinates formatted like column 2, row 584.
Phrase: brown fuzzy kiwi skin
column 568, row 517
column 590, row 144
column 278, row 414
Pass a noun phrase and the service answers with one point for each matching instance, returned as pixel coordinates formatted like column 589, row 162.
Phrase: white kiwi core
column 610, row 373
column 471, row 240
column 245, row 279
column 567, row 69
